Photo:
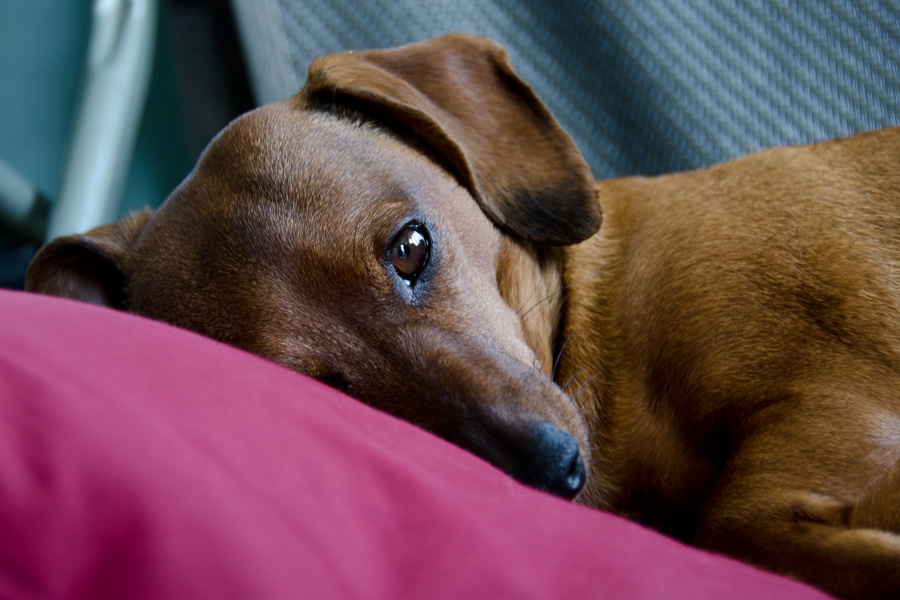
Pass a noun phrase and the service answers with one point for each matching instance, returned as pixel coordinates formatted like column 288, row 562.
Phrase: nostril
column 558, row 467
column 576, row 477
column 335, row 380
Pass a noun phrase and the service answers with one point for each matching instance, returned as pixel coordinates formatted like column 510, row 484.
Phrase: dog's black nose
column 556, row 462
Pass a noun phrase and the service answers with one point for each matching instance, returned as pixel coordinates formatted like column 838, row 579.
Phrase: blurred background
column 105, row 105
column 194, row 84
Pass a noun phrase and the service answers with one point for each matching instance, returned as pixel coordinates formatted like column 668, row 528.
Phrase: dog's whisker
column 572, row 378
column 562, row 349
column 562, row 289
column 526, row 302
column 548, row 297
column 584, row 386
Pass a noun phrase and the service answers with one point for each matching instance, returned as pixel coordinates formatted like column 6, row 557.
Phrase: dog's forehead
column 322, row 165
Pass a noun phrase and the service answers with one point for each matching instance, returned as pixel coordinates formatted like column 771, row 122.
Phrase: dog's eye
column 410, row 251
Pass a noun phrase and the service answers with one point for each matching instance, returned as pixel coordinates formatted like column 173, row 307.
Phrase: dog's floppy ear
column 460, row 95
column 91, row 267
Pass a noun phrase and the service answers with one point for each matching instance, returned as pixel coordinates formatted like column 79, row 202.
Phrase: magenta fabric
column 138, row 460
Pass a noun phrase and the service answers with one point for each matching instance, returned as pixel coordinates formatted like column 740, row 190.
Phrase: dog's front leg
column 795, row 499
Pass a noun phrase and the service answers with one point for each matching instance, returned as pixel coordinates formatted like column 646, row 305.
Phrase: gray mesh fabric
column 645, row 86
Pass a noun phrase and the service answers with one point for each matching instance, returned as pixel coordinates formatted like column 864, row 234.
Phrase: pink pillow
column 142, row 461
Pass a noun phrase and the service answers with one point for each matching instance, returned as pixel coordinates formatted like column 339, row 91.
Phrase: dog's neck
column 530, row 280
column 590, row 278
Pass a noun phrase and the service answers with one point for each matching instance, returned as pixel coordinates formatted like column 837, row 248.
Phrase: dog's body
column 415, row 229
column 746, row 326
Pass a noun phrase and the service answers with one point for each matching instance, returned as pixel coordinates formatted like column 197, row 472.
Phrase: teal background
column 43, row 44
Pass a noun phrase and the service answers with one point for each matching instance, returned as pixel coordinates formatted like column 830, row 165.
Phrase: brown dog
column 720, row 360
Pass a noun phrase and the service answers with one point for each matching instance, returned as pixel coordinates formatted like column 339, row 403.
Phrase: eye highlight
column 410, row 252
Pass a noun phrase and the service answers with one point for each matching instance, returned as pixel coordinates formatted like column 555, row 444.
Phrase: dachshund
column 715, row 354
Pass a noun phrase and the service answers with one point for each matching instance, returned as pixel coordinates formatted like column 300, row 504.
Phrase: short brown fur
column 724, row 350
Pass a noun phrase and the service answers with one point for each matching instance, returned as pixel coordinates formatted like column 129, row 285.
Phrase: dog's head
column 384, row 231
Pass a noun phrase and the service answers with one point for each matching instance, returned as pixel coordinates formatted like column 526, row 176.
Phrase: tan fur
column 724, row 351
column 748, row 326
